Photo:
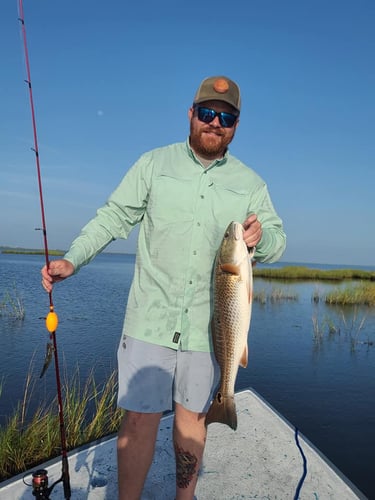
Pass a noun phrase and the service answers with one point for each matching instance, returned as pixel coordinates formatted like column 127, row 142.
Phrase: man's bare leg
column 189, row 438
column 135, row 450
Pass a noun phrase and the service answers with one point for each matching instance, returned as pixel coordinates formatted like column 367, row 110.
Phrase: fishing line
column 302, row 479
column 41, row 488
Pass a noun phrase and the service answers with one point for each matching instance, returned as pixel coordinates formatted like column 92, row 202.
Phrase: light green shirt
column 183, row 210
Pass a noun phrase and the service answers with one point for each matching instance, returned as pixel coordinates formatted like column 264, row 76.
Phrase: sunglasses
column 207, row 115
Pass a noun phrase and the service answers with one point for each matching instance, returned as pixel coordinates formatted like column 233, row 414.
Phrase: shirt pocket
column 171, row 199
column 230, row 204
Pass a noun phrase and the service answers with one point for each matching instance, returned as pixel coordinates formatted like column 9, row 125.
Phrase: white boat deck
column 260, row 460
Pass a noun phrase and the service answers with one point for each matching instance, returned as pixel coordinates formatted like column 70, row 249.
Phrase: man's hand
column 253, row 231
column 57, row 271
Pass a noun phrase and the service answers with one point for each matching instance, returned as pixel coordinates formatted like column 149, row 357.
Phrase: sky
column 112, row 80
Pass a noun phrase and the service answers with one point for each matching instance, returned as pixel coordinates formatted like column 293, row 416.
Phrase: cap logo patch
column 221, row 86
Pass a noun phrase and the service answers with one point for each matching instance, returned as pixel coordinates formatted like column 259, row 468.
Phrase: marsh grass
column 24, row 251
column 274, row 295
column 306, row 273
column 12, row 305
column 360, row 294
column 90, row 413
column 350, row 326
column 355, row 327
column 351, row 295
column 324, row 326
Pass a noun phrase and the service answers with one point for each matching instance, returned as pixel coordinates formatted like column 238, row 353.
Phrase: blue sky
column 114, row 79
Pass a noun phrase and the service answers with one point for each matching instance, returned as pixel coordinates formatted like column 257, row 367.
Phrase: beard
column 209, row 142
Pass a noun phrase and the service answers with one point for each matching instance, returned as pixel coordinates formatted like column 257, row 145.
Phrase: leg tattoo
column 185, row 467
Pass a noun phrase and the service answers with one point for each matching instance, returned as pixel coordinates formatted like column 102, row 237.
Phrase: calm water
column 323, row 387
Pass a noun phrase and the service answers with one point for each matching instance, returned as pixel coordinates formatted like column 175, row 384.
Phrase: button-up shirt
column 183, row 210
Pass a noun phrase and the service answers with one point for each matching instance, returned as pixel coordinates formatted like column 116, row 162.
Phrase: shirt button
column 186, row 310
column 190, row 282
column 195, row 252
column 202, row 196
column 198, row 224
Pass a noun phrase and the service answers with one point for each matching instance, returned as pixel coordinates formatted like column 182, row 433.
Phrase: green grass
column 363, row 293
column 275, row 295
column 11, row 304
column 90, row 413
column 349, row 327
column 306, row 273
column 22, row 251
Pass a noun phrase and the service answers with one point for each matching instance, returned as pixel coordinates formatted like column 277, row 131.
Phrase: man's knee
column 135, row 422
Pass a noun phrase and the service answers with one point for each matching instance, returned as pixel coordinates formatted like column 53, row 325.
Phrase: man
column 183, row 196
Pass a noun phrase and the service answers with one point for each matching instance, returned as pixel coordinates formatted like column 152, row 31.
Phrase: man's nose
column 216, row 122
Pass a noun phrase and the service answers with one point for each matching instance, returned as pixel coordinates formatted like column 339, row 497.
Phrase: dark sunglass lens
column 206, row 115
column 227, row 119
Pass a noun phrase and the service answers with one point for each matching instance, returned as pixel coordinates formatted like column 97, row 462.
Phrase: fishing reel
column 40, row 484
column 41, row 490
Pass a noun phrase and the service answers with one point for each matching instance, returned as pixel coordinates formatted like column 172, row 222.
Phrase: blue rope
column 300, row 483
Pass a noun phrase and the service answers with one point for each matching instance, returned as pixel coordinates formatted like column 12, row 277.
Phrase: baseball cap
column 219, row 88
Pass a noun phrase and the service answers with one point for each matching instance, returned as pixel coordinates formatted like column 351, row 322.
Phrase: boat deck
column 262, row 459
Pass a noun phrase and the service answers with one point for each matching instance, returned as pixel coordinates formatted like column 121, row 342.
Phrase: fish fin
column 222, row 410
column 244, row 357
column 230, row 268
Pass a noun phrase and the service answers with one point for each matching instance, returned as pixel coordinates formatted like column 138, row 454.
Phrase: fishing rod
column 40, row 478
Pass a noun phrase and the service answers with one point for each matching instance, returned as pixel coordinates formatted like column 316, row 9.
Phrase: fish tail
column 222, row 410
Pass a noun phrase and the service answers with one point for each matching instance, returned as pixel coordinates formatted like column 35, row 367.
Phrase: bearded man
column 182, row 196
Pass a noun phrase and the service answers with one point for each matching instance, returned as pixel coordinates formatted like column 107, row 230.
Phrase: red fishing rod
column 40, row 478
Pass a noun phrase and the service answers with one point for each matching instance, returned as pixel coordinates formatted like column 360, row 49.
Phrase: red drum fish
column 232, row 293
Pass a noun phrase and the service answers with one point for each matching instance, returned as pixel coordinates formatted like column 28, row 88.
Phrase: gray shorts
column 149, row 375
